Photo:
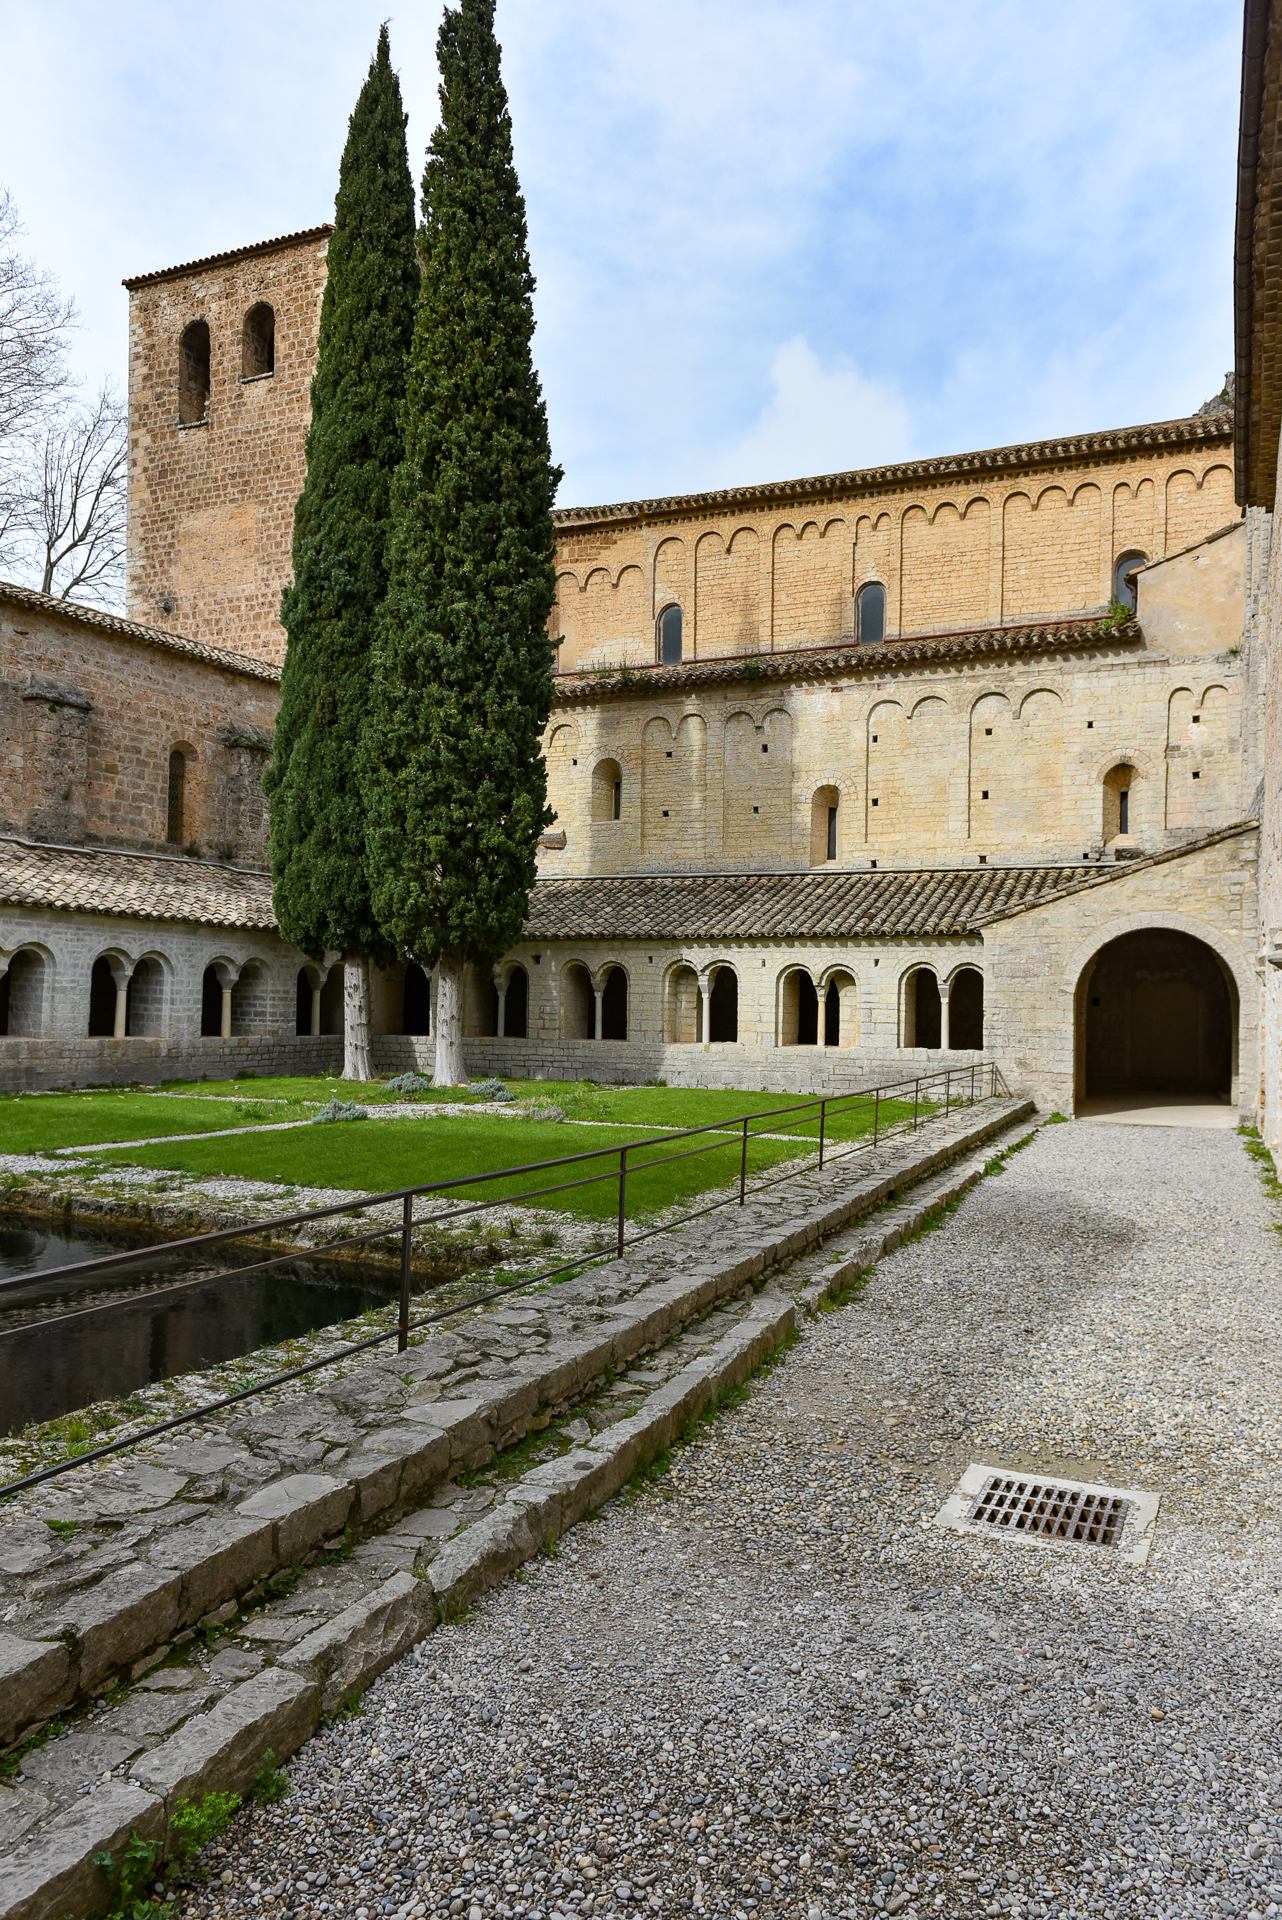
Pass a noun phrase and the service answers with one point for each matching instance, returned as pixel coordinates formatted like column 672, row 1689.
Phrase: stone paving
column 106, row 1576
column 770, row 1686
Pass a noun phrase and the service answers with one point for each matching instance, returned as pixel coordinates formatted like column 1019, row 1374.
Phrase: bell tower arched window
column 1125, row 568
column 258, row 342
column 668, row 636
column 193, row 374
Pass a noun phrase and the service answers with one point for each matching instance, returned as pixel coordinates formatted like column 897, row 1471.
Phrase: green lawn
column 382, row 1155
column 34, row 1123
column 637, row 1107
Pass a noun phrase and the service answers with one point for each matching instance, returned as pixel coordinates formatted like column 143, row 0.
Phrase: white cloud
column 820, row 417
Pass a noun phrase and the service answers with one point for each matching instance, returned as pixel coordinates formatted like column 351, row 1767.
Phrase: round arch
column 1157, row 1012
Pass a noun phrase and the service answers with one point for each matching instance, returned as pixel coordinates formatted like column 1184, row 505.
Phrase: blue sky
column 772, row 237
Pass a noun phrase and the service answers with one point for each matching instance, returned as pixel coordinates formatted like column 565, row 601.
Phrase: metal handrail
column 746, row 1127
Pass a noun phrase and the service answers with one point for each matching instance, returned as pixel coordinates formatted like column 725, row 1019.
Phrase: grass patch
column 1250, row 1137
column 414, row 1152
column 41, row 1122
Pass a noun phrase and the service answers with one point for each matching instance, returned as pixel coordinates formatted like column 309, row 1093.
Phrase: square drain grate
column 1033, row 1507
column 1046, row 1510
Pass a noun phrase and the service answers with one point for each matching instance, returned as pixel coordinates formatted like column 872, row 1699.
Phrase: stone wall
column 924, row 766
column 211, row 501
column 90, row 714
column 1035, row 961
column 1036, row 542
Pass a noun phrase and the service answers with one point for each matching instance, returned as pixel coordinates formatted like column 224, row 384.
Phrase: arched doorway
column 1156, row 1018
column 723, row 1005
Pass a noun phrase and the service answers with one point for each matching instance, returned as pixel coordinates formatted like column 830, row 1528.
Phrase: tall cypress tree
column 315, row 782
column 458, row 793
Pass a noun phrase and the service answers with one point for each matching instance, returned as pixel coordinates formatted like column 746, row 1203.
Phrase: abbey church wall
column 1037, row 538
column 1001, row 747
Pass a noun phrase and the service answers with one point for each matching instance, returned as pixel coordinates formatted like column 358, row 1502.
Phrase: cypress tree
column 316, row 780
column 464, row 665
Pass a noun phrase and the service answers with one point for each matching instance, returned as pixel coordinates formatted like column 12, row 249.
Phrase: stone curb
column 117, row 1625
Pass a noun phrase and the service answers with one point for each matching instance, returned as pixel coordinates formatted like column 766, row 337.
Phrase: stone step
column 104, row 1572
column 262, row 1678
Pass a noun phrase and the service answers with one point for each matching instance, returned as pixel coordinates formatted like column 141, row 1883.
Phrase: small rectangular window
column 617, row 800
column 875, row 803
column 1124, row 811
column 984, row 794
column 832, row 833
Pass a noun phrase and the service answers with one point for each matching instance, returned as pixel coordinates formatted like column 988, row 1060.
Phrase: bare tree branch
column 35, row 320
column 75, row 517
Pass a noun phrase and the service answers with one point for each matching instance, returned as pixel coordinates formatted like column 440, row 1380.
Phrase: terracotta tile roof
column 12, row 595
column 845, row 657
column 1192, row 431
column 888, row 904
column 145, row 886
column 283, row 240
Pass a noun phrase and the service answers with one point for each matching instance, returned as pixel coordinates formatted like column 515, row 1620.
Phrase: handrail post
column 948, row 1089
column 972, row 1083
column 623, row 1194
column 403, row 1317
column 823, row 1117
column 916, row 1097
column 743, row 1164
column 876, row 1113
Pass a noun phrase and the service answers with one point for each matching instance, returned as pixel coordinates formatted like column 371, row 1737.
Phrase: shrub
column 340, row 1110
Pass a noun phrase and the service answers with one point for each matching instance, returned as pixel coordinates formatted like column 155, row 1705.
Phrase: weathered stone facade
column 211, row 496
column 91, row 710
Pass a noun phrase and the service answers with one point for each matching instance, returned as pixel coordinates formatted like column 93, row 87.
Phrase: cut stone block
column 220, row 1556
column 304, row 1509
column 129, row 1614
column 223, row 1749
column 55, row 1871
column 35, row 1680
column 358, row 1644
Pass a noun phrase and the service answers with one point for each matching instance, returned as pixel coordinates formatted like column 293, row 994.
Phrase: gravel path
column 767, row 1686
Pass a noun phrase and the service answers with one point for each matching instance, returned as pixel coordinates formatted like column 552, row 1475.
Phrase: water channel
column 47, row 1369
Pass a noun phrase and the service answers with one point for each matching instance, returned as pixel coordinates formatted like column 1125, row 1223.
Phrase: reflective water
column 50, row 1366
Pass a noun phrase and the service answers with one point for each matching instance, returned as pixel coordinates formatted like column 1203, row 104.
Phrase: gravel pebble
column 768, row 1686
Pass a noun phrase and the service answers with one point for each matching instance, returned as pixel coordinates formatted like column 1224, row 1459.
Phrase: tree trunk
column 357, row 1064
column 448, row 1025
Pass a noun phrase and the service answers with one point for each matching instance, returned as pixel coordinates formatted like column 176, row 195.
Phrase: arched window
column 23, row 994
column 102, row 999
column 841, row 1010
column 614, row 1005
column 798, row 1010
column 1125, row 567
column 516, row 1005
column 823, row 826
column 211, row 1004
column 681, row 1007
column 258, row 342
column 923, row 1023
column 607, row 790
column 145, row 998
column 176, row 805
column 966, row 1009
column 578, row 1003
column 250, row 1002
column 193, row 374
column 416, row 1000
column 668, row 634
column 1117, row 820
column 723, row 1005
column 870, row 613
